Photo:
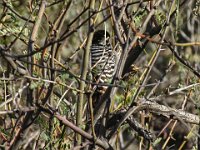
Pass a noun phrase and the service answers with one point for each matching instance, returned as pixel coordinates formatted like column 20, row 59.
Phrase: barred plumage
column 103, row 58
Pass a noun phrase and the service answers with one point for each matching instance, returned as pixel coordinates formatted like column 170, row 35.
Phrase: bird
column 103, row 61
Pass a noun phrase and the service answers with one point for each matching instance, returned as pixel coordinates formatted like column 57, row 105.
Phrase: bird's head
column 101, row 37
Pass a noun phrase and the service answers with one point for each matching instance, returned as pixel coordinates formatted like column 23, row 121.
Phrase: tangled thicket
column 45, row 83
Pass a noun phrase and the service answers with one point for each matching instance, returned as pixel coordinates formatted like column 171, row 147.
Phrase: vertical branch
column 145, row 75
column 84, row 72
column 54, row 50
column 32, row 40
column 143, row 28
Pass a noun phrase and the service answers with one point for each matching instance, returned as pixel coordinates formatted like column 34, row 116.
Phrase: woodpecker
column 103, row 60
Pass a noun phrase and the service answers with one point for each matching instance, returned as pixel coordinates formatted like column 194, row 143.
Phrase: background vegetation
column 45, row 89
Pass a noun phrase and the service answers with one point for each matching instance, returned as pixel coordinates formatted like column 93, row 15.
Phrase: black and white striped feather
column 103, row 59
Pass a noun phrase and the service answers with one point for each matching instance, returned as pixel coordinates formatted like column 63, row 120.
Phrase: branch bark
column 84, row 73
